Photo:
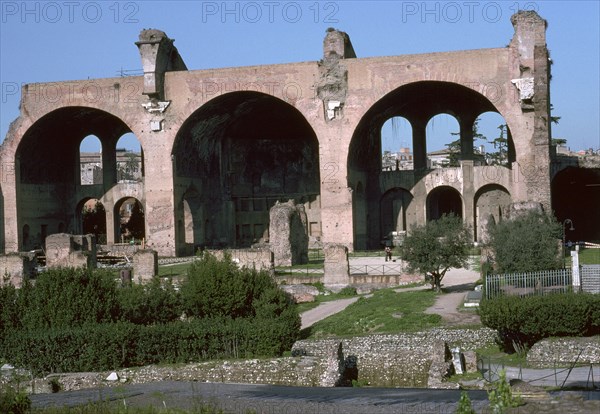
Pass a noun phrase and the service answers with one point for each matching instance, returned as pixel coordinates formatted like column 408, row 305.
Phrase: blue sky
column 71, row 40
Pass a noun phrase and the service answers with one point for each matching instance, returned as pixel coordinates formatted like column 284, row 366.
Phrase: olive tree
column 526, row 243
column 437, row 246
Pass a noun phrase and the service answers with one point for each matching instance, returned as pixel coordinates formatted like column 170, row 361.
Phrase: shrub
column 526, row 243
column 68, row 297
column 13, row 401
column 118, row 345
column 155, row 302
column 522, row 321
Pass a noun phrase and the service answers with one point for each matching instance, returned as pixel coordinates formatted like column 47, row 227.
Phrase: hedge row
column 122, row 344
column 526, row 320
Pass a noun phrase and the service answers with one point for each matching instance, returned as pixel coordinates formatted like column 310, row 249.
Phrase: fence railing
column 553, row 374
column 372, row 270
column 542, row 282
column 529, row 284
column 296, row 271
column 590, row 278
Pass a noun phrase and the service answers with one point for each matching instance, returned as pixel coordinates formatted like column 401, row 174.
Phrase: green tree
column 94, row 219
column 137, row 222
column 526, row 243
column 437, row 246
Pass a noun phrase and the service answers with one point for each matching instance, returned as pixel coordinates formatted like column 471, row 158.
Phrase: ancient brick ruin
column 220, row 147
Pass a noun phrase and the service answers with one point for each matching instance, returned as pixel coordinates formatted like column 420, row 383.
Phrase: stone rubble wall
column 547, row 352
column 400, row 360
column 255, row 258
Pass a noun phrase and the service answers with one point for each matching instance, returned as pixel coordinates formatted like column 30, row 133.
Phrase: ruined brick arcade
column 220, row 147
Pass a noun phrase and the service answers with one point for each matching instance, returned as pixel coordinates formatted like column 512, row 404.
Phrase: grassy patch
column 179, row 269
column 385, row 312
column 497, row 356
column 303, row 307
column 588, row 256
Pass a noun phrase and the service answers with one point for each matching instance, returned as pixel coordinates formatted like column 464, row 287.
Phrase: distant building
column 129, row 167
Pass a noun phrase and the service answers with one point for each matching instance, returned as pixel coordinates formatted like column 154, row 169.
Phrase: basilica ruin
column 220, row 147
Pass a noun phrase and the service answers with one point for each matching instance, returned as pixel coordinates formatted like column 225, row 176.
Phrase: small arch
column 129, row 159
column 444, row 200
column 90, row 161
column 130, row 221
column 495, row 144
column 396, row 144
column 443, row 146
column 91, row 218
column 491, row 204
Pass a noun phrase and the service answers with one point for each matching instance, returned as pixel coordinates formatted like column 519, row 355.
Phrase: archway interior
column 491, row 205
column 129, row 159
column 90, row 160
column 576, row 197
column 395, row 212
column 91, row 215
column 417, row 103
column 444, row 201
column 130, row 222
column 234, row 158
column 49, row 165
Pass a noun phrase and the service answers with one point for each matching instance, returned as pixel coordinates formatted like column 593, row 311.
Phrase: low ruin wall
column 261, row 258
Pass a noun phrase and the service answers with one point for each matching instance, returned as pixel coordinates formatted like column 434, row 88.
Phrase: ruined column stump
column 15, row 268
column 336, row 266
column 68, row 250
column 288, row 236
column 145, row 265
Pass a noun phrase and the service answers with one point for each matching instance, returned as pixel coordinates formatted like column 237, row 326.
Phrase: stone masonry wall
column 548, row 351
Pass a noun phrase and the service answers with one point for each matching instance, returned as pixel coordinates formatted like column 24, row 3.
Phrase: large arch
column 49, row 173
column 418, row 102
column 576, row 196
column 240, row 153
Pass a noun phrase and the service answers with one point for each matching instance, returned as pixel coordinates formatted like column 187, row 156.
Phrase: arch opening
column 418, row 103
column 130, row 221
column 234, row 158
column 50, row 167
column 444, row 200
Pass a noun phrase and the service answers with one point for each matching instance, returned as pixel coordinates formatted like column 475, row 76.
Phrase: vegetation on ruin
column 435, row 247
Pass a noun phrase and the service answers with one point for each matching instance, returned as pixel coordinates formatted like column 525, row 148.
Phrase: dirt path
column 456, row 284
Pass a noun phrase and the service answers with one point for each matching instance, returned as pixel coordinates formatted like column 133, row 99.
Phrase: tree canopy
column 437, row 246
column 526, row 243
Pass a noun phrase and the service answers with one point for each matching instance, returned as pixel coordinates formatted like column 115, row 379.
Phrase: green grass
column 178, row 269
column 385, row 312
column 589, row 256
column 303, row 307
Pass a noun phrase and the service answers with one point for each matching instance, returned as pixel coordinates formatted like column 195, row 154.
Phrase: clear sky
column 70, row 40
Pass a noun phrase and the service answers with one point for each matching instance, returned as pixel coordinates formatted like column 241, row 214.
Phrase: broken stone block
column 288, row 235
column 145, row 265
column 15, row 268
column 336, row 265
column 68, row 250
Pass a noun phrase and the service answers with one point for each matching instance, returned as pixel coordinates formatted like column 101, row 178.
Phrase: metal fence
column 590, row 278
column 376, row 270
column 554, row 374
column 529, row 284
